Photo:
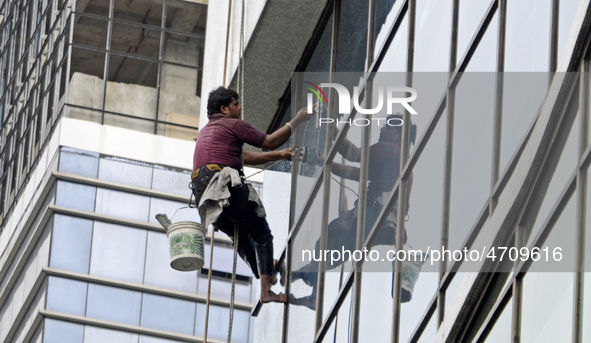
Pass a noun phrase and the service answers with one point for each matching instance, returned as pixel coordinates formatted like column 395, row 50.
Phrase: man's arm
column 348, row 172
column 277, row 138
column 255, row 158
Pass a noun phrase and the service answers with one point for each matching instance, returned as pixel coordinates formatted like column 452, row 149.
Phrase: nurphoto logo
column 344, row 104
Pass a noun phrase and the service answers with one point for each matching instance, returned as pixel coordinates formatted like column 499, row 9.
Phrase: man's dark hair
column 413, row 127
column 220, row 97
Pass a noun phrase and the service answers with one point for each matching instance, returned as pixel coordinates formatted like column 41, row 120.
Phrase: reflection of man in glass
column 384, row 171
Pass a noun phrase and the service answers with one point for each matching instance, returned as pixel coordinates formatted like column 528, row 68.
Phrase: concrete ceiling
column 185, row 16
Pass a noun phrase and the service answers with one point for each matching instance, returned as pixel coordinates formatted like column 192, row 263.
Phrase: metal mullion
column 13, row 78
column 72, row 19
column 553, row 58
column 548, row 225
column 363, row 175
column 376, row 63
column 499, row 89
column 426, row 318
column 107, row 57
column 323, row 242
column 447, row 169
column 578, row 293
column 159, row 73
column 495, row 313
column 340, row 299
column 403, row 182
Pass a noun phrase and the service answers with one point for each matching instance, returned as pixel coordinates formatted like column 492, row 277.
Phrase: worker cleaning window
column 224, row 200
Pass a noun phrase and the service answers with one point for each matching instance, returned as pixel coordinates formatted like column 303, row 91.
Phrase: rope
column 213, row 231
column 209, row 286
column 236, row 226
column 231, row 321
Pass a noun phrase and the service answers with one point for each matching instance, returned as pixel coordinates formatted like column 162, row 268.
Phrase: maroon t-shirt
column 221, row 140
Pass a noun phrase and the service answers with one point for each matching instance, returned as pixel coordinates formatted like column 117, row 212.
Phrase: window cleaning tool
column 185, row 243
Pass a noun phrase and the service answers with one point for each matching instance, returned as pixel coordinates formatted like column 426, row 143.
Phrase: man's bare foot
column 273, row 279
column 270, row 296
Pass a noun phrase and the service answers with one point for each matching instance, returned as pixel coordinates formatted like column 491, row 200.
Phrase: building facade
column 99, row 108
column 500, row 160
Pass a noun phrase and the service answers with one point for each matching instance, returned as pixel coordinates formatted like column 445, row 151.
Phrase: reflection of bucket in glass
column 186, row 241
column 411, row 270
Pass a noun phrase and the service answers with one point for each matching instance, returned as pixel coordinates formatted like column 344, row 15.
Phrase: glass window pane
column 471, row 14
column 132, row 173
column 222, row 289
column 57, row 331
column 97, row 335
column 386, row 12
column 556, row 171
column 352, row 36
column 159, row 273
column 76, row 196
column 472, row 153
column 169, row 314
column 219, row 317
column 171, row 181
column 78, row 162
column 66, row 296
column 485, row 57
column 567, row 13
column 118, row 252
column 523, row 95
column 547, row 304
column 70, row 245
column 587, row 276
column 396, row 56
column 527, row 40
column 433, row 33
column 122, row 205
column 223, row 260
column 150, row 339
column 320, row 60
column 114, row 304
column 501, row 331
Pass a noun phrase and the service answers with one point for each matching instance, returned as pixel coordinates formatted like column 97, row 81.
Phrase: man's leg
column 243, row 213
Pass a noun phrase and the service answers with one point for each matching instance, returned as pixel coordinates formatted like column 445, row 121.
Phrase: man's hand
column 286, row 154
column 301, row 116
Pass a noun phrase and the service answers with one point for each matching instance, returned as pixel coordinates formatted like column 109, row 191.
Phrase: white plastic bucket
column 411, row 270
column 186, row 246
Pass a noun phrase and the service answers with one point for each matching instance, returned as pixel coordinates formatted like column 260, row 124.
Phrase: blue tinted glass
column 168, row 314
column 114, row 304
column 57, row 331
column 83, row 163
column 70, row 245
column 66, row 296
column 126, row 172
column 76, row 196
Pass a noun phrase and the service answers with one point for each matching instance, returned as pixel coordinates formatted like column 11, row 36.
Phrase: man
column 225, row 201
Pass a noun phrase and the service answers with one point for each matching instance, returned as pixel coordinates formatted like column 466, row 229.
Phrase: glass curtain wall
column 468, row 143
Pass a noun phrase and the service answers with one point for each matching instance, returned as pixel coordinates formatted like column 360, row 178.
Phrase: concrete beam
column 186, row 18
column 81, row 6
